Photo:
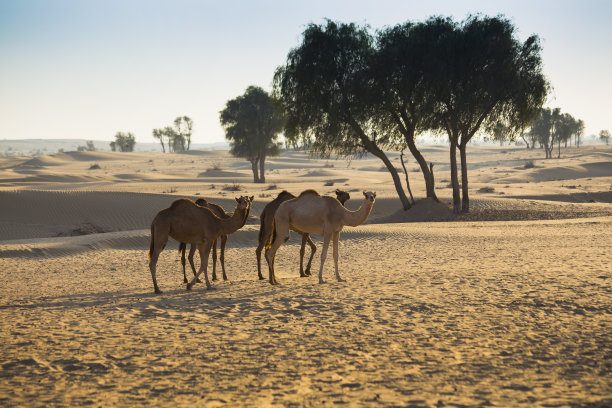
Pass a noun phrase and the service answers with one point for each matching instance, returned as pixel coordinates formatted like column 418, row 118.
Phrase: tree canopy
column 347, row 92
column 124, row 142
column 252, row 123
column 329, row 96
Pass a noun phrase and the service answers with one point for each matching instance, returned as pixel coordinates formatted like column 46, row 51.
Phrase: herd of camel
column 202, row 224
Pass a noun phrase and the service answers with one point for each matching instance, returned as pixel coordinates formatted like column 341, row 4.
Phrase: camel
column 185, row 221
column 219, row 212
column 267, row 227
column 314, row 214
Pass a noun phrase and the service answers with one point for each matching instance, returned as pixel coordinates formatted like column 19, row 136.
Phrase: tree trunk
column 255, row 170
column 262, row 164
column 429, row 181
column 559, row 156
column 454, row 179
column 465, row 203
column 396, row 180
column 406, row 173
column 371, row 147
column 163, row 147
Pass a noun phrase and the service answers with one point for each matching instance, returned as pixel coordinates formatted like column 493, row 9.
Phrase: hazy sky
column 89, row 68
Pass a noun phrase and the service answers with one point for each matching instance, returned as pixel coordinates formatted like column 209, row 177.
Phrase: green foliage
column 604, row 135
column 252, row 123
column 325, row 89
column 124, row 142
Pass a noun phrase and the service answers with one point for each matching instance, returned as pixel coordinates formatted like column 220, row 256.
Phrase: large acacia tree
column 252, row 123
column 483, row 76
column 330, row 98
column 400, row 70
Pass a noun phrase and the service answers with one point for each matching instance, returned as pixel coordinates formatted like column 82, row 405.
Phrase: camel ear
column 364, row 194
column 237, row 200
column 375, row 194
column 251, row 199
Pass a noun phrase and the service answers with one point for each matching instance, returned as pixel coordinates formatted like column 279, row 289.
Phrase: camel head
column 244, row 202
column 342, row 196
column 370, row 196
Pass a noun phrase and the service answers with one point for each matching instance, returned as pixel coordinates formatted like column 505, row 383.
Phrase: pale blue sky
column 87, row 69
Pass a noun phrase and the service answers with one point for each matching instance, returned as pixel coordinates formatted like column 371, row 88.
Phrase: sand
column 509, row 305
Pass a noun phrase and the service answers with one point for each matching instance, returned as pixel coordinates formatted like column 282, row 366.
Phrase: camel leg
column 156, row 247
column 190, row 257
column 302, row 252
column 326, row 239
column 222, row 256
column 313, row 249
column 204, row 249
column 264, row 235
column 214, row 260
column 183, row 248
column 271, row 255
column 336, row 238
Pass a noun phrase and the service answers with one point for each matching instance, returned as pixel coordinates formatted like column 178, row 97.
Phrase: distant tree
column 252, row 123
column 483, row 76
column 578, row 132
column 89, row 147
column 329, row 98
column 500, row 133
column 605, row 136
column 124, row 142
column 183, row 125
column 175, row 140
column 159, row 135
column 544, row 128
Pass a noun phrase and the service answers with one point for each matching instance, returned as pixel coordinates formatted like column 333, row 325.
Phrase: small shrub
column 272, row 187
column 215, row 167
column 486, row 190
column 329, row 183
column 94, row 166
column 171, row 190
column 232, row 187
column 529, row 164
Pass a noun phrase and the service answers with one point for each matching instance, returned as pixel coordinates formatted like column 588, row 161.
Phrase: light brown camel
column 267, row 227
column 314, row 214
column 185, row 221
column 219, row 212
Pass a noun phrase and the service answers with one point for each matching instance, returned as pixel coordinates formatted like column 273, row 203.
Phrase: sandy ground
column 509, row 305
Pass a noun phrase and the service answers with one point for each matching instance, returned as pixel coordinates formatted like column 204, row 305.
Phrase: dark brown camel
column 267, row 227
column 219, row 212
column 185, row 221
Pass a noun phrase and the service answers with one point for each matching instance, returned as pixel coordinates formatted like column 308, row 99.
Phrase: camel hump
column 309, row 192
column 284, row 195
column 181, row 202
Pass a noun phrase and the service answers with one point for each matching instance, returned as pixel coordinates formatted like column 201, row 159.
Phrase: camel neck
column 235, row 222
column 358, row 217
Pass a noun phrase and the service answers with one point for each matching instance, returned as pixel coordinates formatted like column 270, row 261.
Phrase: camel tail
column 271, row 241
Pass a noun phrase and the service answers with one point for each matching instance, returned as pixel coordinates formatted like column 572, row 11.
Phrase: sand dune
column 507, row 305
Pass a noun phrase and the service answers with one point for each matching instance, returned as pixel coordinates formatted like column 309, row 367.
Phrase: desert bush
column 94, row 166
column 329, row 183
column 216, row 166
column 272, row 187
column 529, row 164
column 486, row 190
column 232, row 187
